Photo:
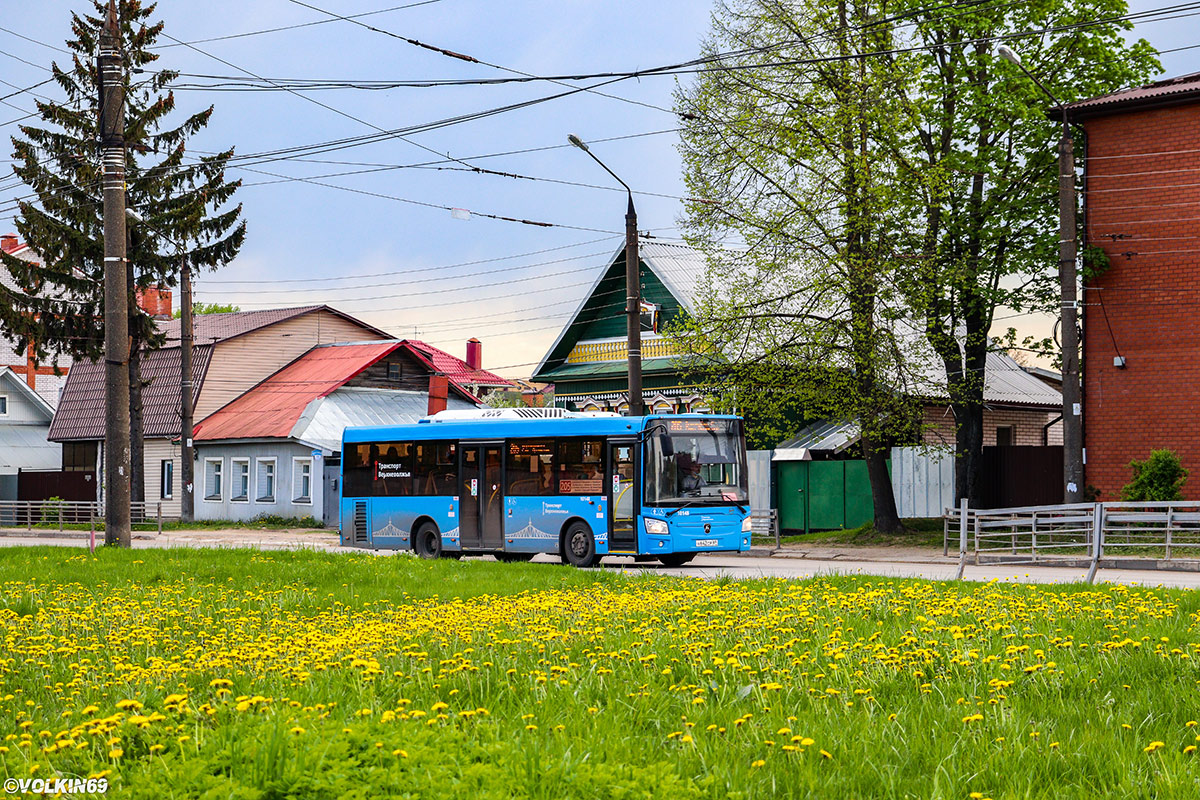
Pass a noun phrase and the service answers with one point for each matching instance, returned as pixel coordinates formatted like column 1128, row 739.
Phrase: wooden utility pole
column 110, row 70
column 187, row 501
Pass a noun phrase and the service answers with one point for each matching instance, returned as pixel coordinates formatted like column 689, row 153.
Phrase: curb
column 765, row 552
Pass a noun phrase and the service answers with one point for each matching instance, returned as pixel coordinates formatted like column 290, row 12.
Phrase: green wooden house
column 588, row 362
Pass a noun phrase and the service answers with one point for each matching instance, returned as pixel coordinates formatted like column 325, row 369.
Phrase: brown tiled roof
column 1183, row 89
column 213, row 328
column 80, row 413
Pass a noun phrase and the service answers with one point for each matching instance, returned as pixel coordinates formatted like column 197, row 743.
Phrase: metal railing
column 1074, row 532
column 765, row 525
column 58, row 514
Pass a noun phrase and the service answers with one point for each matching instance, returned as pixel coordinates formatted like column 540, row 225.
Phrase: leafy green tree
column 185, row 201
column 792, row 152
column 210, row 308
column 1159, row 477
column 979, row 171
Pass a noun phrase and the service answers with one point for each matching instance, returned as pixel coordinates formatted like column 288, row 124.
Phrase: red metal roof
column 1185, row 88
column 455, row 369
column 271, row 409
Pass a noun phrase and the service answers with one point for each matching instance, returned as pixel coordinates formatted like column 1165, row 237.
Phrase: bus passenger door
column 622, row 497
column 470, row 486
column 491, row 496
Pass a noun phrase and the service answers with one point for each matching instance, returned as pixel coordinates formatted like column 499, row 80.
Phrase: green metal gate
column 824, row 495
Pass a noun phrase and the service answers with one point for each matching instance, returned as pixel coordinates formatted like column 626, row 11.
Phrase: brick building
column 1141, row 344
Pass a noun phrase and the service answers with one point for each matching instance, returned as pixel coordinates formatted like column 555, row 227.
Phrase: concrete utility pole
column 633, row 290
column 110, row 69
column 1072, row 414
column 187, row 501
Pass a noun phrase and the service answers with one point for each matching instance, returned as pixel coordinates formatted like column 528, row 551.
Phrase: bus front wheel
column 676, row 559
column 579, row 546
column 427, row 541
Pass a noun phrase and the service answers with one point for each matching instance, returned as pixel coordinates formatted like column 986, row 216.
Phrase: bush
column 1159, row 477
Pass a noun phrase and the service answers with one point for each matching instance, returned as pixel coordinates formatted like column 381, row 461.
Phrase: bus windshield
column 696, row 462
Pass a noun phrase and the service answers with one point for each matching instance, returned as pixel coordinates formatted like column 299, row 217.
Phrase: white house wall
column 285, row 505
column 157, row 451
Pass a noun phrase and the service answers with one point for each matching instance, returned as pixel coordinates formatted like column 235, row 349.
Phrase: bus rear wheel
column 511, row 558
column 579, row 546
column 427, row 541
column 676, row 559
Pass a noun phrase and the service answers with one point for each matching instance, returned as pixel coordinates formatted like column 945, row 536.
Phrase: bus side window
column 356, row 464
column 394, row 470
column 580, row 466
column 529, row 468
column 424, row 469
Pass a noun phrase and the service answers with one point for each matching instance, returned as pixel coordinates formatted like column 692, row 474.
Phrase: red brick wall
column 1143, row 184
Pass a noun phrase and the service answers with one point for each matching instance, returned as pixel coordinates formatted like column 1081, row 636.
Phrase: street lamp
column 1072, row 403
column 187, row 496
column 633, row 289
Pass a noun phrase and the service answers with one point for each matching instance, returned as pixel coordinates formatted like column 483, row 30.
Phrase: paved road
column 930, row 565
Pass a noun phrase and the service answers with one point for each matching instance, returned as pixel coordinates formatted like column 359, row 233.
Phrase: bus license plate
column 706, row 543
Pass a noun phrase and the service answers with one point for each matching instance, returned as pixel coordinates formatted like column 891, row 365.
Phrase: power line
column 431, row 269
column 292, row 27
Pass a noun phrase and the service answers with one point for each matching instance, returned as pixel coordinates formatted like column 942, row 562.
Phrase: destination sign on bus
column 696, row 426
column 542, row 448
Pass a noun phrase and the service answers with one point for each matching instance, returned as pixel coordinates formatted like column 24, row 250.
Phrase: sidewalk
column 899, row 555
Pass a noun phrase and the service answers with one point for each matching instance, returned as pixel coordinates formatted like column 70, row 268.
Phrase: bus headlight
column 656, row 526
column 746, row 525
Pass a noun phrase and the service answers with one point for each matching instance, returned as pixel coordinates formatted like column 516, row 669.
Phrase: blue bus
column 516, row 482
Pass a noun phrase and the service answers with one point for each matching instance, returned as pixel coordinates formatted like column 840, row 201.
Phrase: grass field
column 920, row 532
column 242, row 674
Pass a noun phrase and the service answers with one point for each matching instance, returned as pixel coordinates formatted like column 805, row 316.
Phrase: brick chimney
column 474, row 353
column 155, row 301
column 9, row 242
column 438, row 389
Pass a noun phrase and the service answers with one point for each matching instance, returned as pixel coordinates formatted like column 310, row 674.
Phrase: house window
column 302, row 480
column 394, row 372
column 212, row 478
column 167, row 481
column 79, row 456
column 3, row 405
column 1006, row 435
column 240, row 491
column 265, row 480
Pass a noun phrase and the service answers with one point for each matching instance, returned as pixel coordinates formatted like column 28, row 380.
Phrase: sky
column 383, row 246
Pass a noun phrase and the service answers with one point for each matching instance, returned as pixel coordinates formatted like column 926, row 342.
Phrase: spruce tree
column 184, row 200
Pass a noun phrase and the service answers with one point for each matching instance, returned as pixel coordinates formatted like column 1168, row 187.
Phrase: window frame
column 209, row 497
column 234, row 463
column 166, row 479
column 559, row 463
column 273, row 498
column 1010, row 432
column 299, row 499
column 4, row 405
column 511, row 474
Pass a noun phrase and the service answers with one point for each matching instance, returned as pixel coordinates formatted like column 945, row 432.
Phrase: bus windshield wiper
column 679, row 508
